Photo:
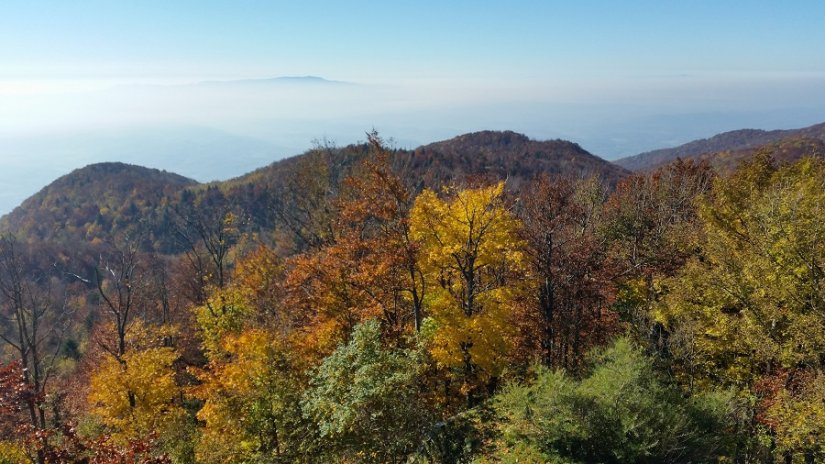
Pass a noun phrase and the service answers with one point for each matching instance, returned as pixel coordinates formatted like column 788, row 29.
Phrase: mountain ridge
column 103, row 198
column 737, row 140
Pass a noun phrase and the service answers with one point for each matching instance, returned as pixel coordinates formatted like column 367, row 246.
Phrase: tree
column 15, row 395
column 251, row 386
column 375, row 209
column 121, row 283
column 302, row 204
column 620, row 412
column 364, row 399
column 251, row 409
column 33, row 323
column 372, row 229
column 570, row 274
column 206, row 227
column 750, row 308
column 137, row 394
column 471, row 262
column 651, row 223
column 252, row 298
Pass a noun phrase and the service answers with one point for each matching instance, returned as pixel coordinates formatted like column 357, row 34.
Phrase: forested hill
column 107, row 199
column 508, row 155
column 733, row 141
column 787, row 150
column 496, row 154
column 93, row 201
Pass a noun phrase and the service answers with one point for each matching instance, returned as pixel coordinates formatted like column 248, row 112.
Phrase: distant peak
column 110, row 168
column 494, row 138
column 314, row 80
column 302, row 79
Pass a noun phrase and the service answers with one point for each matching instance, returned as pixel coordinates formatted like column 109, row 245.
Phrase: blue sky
column 371, row 40
column 88, row 81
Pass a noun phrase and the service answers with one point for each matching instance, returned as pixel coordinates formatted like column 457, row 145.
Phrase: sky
column 87, row 81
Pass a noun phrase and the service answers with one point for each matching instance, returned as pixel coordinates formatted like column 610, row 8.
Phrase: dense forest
column 362, row 308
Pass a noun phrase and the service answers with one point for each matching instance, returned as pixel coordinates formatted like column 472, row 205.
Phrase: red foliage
column 15, row 395
column 68, row 448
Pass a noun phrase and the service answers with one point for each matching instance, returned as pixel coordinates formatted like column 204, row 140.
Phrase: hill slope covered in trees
column 110, row 198
column 93, row 201
column 733, row 141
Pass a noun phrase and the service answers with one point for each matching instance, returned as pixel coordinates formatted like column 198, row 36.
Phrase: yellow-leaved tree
column 251, row 406
column 250, row 388
column 749, row 311
column 137, row 395
column 472, row 265
column 251, row 294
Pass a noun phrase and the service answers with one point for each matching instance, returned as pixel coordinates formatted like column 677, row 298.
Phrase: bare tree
column 207, row 228
column 121, row 282
column 301, row 203
column 33, row 319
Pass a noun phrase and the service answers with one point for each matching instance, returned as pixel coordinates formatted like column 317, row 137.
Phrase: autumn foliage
column 676, row 316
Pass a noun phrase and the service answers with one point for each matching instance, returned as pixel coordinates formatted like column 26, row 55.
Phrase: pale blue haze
column 86, row 81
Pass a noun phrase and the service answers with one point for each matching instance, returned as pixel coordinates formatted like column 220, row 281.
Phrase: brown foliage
column 567, row 311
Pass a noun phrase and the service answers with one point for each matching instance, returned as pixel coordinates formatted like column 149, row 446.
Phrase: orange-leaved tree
column 369, row 269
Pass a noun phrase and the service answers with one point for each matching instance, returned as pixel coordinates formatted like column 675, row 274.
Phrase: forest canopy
column 673, row 316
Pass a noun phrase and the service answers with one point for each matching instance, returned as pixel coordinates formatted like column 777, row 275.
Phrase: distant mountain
column 738, row 140
column 90, row 202
column 101, row 199
column 294, row 80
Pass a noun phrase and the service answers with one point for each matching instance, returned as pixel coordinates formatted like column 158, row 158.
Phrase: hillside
column 89, row 202
column 732, row 141
column 788, row 150
column 101, row 199
column 506, row 155
column 496, row 154
column 490, row 155
column 421, row 319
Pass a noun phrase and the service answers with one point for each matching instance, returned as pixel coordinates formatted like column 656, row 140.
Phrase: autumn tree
column 372, row 229
column 749, row 308
column 121, row 282
column 302, row 204
column 67, row 446
column 132, row 387
column 471, row 261
column 250, row 387
column 206, row 226
column 250, row 395
column 136, row 393
column 651, row 223
column 375, row 209
column 33, row 312
column 15, row 397
column 571, row 288
column 252, row 298
column 134, row 400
